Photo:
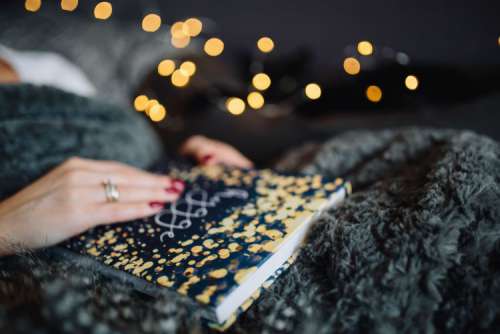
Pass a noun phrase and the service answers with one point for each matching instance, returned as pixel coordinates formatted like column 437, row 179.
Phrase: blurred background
column 267, row 76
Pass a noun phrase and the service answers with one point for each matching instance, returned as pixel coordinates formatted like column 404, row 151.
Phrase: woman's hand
column 212, row 152
column 71, row 199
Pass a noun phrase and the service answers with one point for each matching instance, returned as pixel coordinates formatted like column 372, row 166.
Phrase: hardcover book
column 230, row 234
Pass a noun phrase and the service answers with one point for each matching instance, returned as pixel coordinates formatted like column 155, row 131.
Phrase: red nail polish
column 156, row 205
column 172, row 191
column 206, row 158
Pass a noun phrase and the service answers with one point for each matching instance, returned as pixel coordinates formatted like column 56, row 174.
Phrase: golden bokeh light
column 374, row 93
column 141, row 102
column 313, row 91
column 214, row 47
column 150, row 104
column 261, row 81
column 151, row 22
column 177, row 30
column 498, row 40
column 103, row 10
column 352, row 66
column 411, row 82
column 235, row 105
column 192, row 27
column 180, row 42
column 32, row 5
column 166, row 67
column 69, row 5
column 255, row 100
column 265, row 44
column 179, row 79
column 365, row 48
column 157, row 113
column 188, row 68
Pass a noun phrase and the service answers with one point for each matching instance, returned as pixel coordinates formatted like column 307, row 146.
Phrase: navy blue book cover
column 226, row 224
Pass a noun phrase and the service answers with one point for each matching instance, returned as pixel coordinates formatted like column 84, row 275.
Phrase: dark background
column 450, row 32
column 453, row 47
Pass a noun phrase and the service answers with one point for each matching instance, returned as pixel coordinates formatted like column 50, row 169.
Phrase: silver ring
column 111, row 191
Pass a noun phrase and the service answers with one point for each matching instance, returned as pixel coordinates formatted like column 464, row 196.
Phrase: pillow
column 115, row 55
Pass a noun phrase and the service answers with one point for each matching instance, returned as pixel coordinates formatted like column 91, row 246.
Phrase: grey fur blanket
column 416, row 248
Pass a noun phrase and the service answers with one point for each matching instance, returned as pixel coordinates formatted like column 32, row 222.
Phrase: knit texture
column 414, row 249
column 40, row 127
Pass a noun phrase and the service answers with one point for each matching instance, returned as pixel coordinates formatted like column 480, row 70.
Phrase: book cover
column 218, row 244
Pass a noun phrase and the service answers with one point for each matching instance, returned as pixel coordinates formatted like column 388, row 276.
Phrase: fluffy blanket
column 416, row 248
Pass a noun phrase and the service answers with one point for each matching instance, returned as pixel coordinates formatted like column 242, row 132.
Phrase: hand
column 71, row 199
column 7, row 74
column 212, row 152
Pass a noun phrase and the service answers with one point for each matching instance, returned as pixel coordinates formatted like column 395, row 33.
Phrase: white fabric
column 46, row 68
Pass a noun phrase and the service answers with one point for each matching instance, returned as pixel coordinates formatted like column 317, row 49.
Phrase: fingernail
column 206, row 158
column 156, row 205
column 178, row 184
column 172, row 191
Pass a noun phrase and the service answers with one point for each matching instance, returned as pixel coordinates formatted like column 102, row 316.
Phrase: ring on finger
column 111, row 191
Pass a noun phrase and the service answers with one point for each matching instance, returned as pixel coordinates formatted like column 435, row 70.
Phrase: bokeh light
column 255, row 100
column 140, row 102
column 261, row 81
column 313, row 91
column 180, row 42
column 157, row 113
column 32, row 5
column 103, row 10
column 150, row 104
column 192, row 27
column 265, row 44
column 69, row 5
column 352, row 66
column 177, row 30
column 151, row 22
column 166, row 67
column 374, row 93
column 214, row 47
column 365, row 48
column 411, row 82
column 179, row 79
column 188, row 68
column 235, row 105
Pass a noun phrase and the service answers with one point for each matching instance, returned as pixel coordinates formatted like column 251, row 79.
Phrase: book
column 230, row 232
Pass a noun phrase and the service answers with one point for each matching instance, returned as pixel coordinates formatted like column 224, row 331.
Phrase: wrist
column 9, row 244
column 5, row 239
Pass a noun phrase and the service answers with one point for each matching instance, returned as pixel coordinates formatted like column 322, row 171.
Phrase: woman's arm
column 71, row 199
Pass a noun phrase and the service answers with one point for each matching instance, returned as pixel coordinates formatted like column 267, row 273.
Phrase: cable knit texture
column 414, row 249
column 40, row 127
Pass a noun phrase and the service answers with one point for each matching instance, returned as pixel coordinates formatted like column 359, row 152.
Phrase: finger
column 238, row 160
column 115, row 170
column 110, row 213
column 192, row 145
column 120, row 178
column 142, row 178
column 226, row 156
column 127, row 194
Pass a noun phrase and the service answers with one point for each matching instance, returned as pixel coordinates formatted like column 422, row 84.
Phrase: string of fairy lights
column 182, row 33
